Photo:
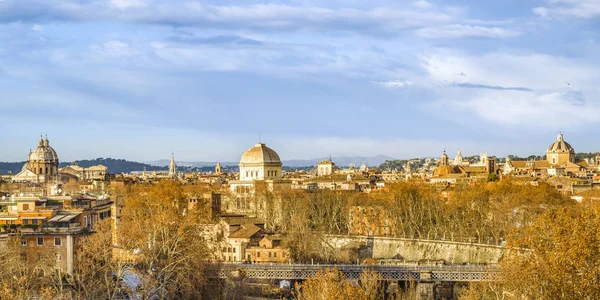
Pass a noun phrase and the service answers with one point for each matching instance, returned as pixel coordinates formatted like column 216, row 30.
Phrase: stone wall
column 414, row 250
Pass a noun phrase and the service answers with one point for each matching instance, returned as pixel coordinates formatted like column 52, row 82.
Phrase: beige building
column 79, row 173
column 260, row 166
column 560, row 152
column 41, row 165
column 325, row 168
column 268, row 250
column 260, row 163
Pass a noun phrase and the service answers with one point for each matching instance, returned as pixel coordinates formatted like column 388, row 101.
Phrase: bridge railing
column 462, row 268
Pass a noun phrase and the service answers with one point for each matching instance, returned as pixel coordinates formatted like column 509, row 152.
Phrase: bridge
column 441, row 273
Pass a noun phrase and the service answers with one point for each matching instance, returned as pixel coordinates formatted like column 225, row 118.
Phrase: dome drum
column 260, row 163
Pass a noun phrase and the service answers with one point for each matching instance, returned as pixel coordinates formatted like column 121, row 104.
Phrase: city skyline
column 297, row 159
column 137, row 79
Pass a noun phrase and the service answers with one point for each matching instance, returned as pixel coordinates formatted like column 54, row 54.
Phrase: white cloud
column 255, row 16
column 423, row 4
column 394, row 83
column 125, row 4
column 536, row 90
column 585, row 9
column 465, row 31
column 114, row 48
column 534, row 71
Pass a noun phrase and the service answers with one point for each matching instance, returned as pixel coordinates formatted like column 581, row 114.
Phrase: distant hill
column 342, row 161
column 11, row 167
column 116, row 166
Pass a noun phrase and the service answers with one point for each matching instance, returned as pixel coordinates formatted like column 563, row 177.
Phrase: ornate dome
column 260, row 154
column 560, row 146
column 43, row 153
column 443, row 170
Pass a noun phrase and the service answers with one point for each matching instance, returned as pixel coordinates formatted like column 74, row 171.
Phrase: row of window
column 255, row 173
column 41, row 241
column 228, row 249
column 271, row 254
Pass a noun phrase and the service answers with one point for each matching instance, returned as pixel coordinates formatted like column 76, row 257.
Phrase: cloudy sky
column 138, row 79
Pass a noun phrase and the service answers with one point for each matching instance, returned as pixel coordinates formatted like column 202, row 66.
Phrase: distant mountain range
column 341, row 161
column 116, row 166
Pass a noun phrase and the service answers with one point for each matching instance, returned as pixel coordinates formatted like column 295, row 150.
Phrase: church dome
column 443, row 170
column 560, row 146
column 43, row 153
column 260, row 154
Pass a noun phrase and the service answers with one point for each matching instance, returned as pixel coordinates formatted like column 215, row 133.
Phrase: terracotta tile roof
column 245, row 232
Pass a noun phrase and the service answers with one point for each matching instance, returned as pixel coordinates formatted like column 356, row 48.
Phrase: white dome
column 43, row 153
column 260, row 154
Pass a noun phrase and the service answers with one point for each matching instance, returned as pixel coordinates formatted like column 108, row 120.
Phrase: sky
column 138, row 79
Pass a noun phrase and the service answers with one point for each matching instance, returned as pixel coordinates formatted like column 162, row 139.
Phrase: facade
column 78, row 173
column 41, row 165
column 268, row 250
column 51, row 226
column 560, row 151
column 260, row 170
column 238, row 233
column 325, row 168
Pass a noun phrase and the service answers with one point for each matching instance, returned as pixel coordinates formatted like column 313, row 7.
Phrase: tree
column 99, row 271
column 557, row 256
column 328, row 284
column 167, row 240
column 22, row 276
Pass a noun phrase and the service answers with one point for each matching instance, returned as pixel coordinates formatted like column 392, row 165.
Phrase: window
column 234, row 250
column 269, row 254
column 23, row 242
column 34, row 222
column 40, row 241
column 25, row 222
column 258, row 254
column 25, row 206
column 274, row 254
column 57, row 241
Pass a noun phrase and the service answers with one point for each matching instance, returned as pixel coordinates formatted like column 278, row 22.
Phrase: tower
column 172, row 167
column 218, row 168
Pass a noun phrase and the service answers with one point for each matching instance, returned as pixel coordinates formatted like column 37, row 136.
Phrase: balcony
column 37, row 229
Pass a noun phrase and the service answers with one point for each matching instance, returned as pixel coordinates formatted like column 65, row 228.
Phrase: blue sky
column 138, row 79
